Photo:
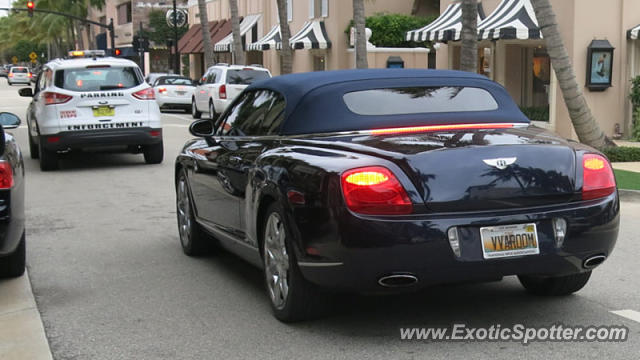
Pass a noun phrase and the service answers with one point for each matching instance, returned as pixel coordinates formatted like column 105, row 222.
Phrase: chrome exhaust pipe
column 398, row 280
column 593, row 261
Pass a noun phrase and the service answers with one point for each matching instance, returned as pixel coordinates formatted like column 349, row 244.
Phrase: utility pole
column 176, row 56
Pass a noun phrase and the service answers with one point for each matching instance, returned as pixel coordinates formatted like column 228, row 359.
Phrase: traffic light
column 117, row 52
column 30, row 6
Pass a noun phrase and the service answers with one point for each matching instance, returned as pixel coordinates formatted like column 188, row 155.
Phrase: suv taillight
column 375, row 190
column 53, row 98
column 597, row 180
column 162, row 90
column 145, row 94
column 222, row 91
column 6, row 175
column 10, row 74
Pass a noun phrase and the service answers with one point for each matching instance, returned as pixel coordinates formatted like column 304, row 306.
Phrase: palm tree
column 286, row 54
column 206, row 34
column 469, row 36
column 238, row 51
column 583, row 120
column 361, row 37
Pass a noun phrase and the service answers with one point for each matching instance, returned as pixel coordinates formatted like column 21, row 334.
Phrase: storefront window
column 537, row 107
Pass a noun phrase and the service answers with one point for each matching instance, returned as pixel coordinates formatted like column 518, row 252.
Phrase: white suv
column 92, row 103
column 19, row 75
column 220, row 85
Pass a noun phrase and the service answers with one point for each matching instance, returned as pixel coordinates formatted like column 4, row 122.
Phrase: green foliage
column 540, row 113
column 159, row 31
column 627, row 180
column 635, row 100
column 623, row 154
column 389, row 30
column 23, row 48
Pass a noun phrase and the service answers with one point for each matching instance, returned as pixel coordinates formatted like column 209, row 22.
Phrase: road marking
column 629, row 314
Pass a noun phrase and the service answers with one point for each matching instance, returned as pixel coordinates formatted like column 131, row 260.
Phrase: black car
column 12, row 235
column 379, row 181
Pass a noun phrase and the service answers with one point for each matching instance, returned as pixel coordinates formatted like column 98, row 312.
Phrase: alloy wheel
column 184, row 212
column 276, row 261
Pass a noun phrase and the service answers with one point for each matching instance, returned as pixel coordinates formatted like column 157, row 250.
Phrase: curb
column 629, row 195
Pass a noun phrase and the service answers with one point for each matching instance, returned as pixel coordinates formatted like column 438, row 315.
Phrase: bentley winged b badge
column 501, row 163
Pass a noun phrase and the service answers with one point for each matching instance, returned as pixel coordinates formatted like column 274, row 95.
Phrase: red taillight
column 597, row 180
column 146, row 94
column 53, row 139
column 52, row 98
column 375, row 191
column 162, row 90
column 6, row 175
column 155, row 133
column 222, row 91
column 428, row 128
column 30, row 75
column 10, row 74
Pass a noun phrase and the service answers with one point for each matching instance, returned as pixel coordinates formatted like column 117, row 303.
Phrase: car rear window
column 19, row 70
column 417, row 100
column 245, row 77
column 96, row 79
column 175, row 81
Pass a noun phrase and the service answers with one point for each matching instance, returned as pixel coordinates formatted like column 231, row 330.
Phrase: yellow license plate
column 102, row 111
column 509, row 240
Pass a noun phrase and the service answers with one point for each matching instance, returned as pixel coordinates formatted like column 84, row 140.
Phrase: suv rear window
column 19, row 70
column 245, row 77
column 417, row 100
column 96, row 79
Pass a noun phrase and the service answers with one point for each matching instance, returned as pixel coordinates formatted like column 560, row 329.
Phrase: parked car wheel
column 34, row 151
column 212, row 111
column 292, row 297
column 153, row 154
column 555, row 285
column 14, row 264
column 194, row 110
column 48, row 159
column 193, row 239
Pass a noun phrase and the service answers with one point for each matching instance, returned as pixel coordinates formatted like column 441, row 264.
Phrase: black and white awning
column 447, row 27
column 512, row 19
column 633, row 33
column 273, row 40
column 249, row 22
column 313, row 35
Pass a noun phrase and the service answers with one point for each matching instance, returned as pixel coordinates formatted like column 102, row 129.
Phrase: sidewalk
column 22, row 335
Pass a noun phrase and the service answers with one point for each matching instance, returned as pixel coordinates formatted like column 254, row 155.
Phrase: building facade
column 319, row 24
column 522, row 65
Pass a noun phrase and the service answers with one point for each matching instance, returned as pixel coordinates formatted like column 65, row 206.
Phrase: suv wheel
column 48, row 159
column 212, row 111
column 153, row 154
column 194, row 110
column 33, row 148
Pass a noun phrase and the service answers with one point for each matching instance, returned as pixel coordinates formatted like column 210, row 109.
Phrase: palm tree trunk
column 469, row 35
column 361, row 37
column 238, row 51
column 286, row 54
column 584, row 122
column 206, row 35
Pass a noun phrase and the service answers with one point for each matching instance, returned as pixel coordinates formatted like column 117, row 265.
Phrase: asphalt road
column 111, row 281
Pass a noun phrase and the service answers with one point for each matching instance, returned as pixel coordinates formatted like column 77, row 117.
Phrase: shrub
column 635, row 100
column 622, row 153
column 389, row 30
column 536, row 113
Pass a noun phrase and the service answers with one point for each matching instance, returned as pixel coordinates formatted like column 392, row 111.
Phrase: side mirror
column 201, row 128
column 9, row 120
column 26, row 92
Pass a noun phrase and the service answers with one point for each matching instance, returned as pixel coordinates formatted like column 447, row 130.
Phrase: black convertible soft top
column 315, row 101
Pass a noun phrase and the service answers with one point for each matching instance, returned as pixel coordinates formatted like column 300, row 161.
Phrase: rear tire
column 34, row 152
column 212, row 111
column 48, row 159
column 555, row 285
column 13, row 265
column 153, row 154
column 295, row 299
column 194, row 110
column 193, row 239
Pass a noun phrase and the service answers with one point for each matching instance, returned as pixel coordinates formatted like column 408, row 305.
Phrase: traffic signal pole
column 109, row 27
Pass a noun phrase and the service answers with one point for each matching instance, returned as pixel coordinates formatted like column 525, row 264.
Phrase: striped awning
column 512, row 19
column 246, row 25
column 633, row 33
column 312, row 36
column 273, row 40
column 447, row 27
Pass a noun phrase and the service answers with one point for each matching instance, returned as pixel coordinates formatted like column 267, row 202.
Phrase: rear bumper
column 368, row 249
column 101, row 138
column 220, row 105
column 173, row 102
